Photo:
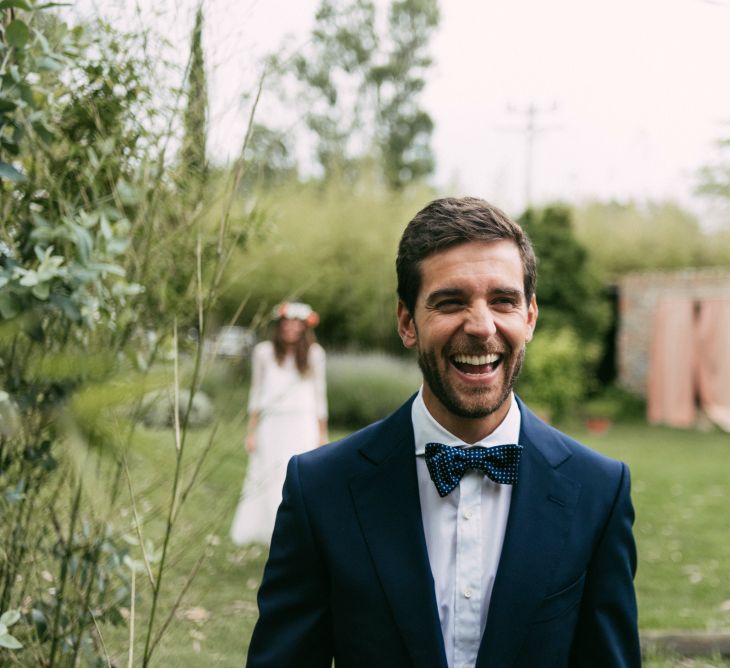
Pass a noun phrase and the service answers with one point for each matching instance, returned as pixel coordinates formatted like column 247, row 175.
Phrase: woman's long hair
column 301, row 347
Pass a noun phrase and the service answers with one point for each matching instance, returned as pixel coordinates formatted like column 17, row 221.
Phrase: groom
column 461, row 530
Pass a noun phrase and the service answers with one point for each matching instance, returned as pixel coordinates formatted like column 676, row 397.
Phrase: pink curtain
column 713, row 360
column 671, row 387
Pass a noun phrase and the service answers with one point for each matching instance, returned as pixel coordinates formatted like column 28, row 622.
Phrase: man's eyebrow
column 507, row 292
column 444, row 292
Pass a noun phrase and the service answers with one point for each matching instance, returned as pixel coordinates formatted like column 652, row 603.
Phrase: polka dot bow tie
column 447, row 464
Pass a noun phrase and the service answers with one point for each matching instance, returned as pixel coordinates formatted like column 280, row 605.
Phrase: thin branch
column 130, row 662
column 178, row 601
column 137, row 524
column 198, row 467
column 101, row 638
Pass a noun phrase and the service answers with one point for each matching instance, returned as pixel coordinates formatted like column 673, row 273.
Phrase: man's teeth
column 476, row 360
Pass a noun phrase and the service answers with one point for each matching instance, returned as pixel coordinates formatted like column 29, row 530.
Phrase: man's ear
column 406, row 326
column 532, row 312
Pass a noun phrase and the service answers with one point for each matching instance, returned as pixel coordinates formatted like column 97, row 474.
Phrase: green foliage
column 615, row 403
column 334, row 249
column 7, row 619
column 99, row 257
column 269, row 160
column 335, row 73
column 656, row 236
column 714, row 178
column 554, row 376
column 364, row 84
column 573, row 314
column 569, row 291
column 403, row 128
column 193, row 158
column 365, row 387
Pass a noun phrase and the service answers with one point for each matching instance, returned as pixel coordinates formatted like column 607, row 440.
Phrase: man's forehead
column 474, row 255
column 496, row 264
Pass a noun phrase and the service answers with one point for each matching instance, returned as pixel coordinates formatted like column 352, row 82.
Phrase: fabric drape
column 689, row 362
column 713, row 360
column 671, row 387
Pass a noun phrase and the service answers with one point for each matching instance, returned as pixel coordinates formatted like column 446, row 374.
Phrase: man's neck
column 469, row 430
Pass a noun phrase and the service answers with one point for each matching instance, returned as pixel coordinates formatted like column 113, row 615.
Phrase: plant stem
column 63, row 576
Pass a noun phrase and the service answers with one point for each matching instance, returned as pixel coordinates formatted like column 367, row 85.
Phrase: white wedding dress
column 289, row 407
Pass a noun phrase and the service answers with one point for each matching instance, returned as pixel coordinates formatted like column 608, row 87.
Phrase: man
column 461, row 530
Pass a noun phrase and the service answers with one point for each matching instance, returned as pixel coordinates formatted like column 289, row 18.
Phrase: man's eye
column 448, row 304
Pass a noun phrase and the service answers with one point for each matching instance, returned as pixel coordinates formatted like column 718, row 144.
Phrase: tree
column 714, row 178
column 193, row 154
column 269, row 158
column 364, row 88
column 569, row 290
column 403, row 128
column 335, row 73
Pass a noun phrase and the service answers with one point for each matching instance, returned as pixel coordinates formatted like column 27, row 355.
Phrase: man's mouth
column 476, row 364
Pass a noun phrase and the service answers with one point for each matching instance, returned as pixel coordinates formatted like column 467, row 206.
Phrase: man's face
column 470, row 326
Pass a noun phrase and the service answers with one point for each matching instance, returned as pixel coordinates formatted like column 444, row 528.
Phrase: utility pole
column 531, row 130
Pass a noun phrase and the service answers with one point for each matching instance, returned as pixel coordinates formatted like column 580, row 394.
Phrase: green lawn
column 682, row 498
column 680, row 487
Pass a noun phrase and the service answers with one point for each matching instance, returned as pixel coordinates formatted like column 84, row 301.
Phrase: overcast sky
column 631, row 94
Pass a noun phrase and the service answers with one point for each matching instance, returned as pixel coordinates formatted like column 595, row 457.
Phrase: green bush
column 615, row 403
column 365, row 387
column 333, row 248
column 555, row 376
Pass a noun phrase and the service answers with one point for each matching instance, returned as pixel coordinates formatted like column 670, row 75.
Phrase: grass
column 680, row 492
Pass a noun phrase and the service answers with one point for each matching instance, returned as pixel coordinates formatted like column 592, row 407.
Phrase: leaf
column 9, row 172
column 17, row 34
column 9, row 617
column 15, row 4
column 69, row 309
column 8, row 305
column 6, row 640
column 7, row 104
column 46, row 64
column 41, row 291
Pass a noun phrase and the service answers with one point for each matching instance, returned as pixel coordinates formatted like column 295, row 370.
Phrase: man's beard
column 460, row 405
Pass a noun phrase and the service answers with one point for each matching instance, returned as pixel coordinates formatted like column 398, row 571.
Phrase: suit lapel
column 541, row 510
column 388, row 508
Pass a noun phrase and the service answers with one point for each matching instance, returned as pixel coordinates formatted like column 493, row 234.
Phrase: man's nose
column 480, row 321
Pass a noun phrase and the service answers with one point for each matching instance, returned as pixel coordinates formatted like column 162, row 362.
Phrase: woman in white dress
column 287, row 415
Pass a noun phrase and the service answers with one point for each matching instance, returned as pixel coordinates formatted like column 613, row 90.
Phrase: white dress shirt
column 464, row 534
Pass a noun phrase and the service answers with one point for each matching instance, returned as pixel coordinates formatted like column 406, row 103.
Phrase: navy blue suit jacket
column 348, row 575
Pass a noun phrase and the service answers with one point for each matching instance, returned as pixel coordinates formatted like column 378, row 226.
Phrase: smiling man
column 461, row 530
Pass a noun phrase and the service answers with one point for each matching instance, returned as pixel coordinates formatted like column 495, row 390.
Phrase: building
column 674, row 343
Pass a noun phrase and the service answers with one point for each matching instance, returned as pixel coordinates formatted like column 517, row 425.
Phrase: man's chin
column 476, row 410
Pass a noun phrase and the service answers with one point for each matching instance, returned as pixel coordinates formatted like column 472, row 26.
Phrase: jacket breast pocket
column 560, row 603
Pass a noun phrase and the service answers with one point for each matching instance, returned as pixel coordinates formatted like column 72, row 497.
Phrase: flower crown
column 296, row 311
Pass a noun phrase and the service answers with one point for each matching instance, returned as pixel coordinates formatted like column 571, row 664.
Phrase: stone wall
column 639, row 295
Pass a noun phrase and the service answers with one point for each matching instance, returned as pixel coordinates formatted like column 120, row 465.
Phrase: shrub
column 334, row 249
column 555, row 373
column 365, row 387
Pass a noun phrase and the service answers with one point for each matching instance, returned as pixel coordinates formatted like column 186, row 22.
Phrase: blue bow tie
column 447, row 464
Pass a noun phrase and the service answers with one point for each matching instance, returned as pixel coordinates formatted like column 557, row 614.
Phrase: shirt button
column 467, row 593
column 467, row 514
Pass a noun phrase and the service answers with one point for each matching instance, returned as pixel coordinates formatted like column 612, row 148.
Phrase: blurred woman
column 287, row 411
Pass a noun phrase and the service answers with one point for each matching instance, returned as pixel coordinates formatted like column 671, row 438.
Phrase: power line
column 531, row 130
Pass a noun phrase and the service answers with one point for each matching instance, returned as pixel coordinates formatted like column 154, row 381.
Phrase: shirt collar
column 427, row 430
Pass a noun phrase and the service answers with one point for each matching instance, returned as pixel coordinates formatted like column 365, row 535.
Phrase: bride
column 287, row 415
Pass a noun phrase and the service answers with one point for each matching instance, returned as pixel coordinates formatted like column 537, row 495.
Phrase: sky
column 630, row 95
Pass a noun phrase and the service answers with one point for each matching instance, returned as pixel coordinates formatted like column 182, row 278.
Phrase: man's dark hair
column 449, row 222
